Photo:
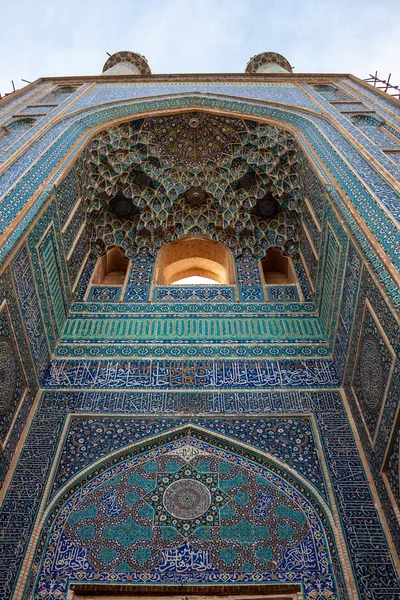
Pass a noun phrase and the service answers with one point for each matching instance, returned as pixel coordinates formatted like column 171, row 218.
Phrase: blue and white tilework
column 283, row 293
column 182, row 293
column 229, row 393
column 104, row 293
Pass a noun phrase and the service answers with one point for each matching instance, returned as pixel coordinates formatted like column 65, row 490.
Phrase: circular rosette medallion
column 187, row 499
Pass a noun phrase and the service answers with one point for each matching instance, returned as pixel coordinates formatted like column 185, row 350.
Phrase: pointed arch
column 175, row 443
column 194, row 256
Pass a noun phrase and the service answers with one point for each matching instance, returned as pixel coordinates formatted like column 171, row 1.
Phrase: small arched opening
column 194, row 257
column 278, row 269
column 111, row 269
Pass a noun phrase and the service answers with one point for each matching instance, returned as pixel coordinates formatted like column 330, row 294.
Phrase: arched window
column 58, row 94
column 21, row 125
column 111, row 268
column 194, row 257
column 13, row 130
column 375, row 129
column 278, row 269
column 331, row 93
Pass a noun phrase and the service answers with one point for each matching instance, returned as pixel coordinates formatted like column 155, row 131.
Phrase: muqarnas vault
column 239, row 437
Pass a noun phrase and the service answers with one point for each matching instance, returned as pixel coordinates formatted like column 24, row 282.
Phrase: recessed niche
column 111, row 269
column 278, row 269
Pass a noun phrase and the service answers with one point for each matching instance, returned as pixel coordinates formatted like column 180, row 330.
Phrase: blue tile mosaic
column 77, row 257
column 198, row 350
column 376, row 99
column 308, row 256
column 248, row 269
column 67, row 195
column 227, row 393
column 104, row 293
column 346, row 119
column 49, row 272
column 31, row 313
column 136, row 293
column 192, row 293
column 118, row 329
column 283, row 293
column 13, row 382
column 303, row 281
column 251, row 293
column 235, row 520
column 392, row 465
column 199, row 374
column 372, row 372
column 71, row 230
column 198, row 307
column 364, row 206
column 349, row 296
column 110, row 92
column 384, row 339
column 83, row 283
column 313, row 231
column 346, row 469
column 52, row 278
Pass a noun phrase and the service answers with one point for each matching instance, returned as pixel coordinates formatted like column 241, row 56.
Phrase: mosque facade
column 236, row 438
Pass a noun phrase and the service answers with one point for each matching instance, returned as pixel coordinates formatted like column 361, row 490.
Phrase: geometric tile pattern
column 301, row 455
column 11, row 374
column 311, row 226
column 48, row 254
column 371, row 305
column 392, row 466
column 193, row 294
column 104, row 293
column 349, row 296
column 124, row 329
column 30, row 310
column 139, row 277
column 71, row 230
column 155, row 163
column 371, row 376
column 283, row 293
column 188, row 499
column 202, row 507
column 176, row 308
column 203, row 350
column 84, row 280
column 251, row 293
column 67, row 195
column 77, row 257
column 351, row 185
column 346, row 471
column 248, row 269
column 329, row 279
column 308, row 255
column 303, row 281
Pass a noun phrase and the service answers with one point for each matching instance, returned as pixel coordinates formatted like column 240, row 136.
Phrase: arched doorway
column 194, row 257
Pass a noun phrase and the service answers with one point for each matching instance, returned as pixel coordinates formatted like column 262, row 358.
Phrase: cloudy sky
column 71, row 37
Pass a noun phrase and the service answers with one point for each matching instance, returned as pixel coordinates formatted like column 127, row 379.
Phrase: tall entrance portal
column 237, row 438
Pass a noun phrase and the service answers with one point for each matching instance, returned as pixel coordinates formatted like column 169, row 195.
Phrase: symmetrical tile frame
column 364, row 288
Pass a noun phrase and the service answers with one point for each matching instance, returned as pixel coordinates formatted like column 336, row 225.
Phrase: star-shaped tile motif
column 187, row 500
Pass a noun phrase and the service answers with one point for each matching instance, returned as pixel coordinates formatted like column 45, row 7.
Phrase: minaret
column 126, row 63
column 268, row 62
